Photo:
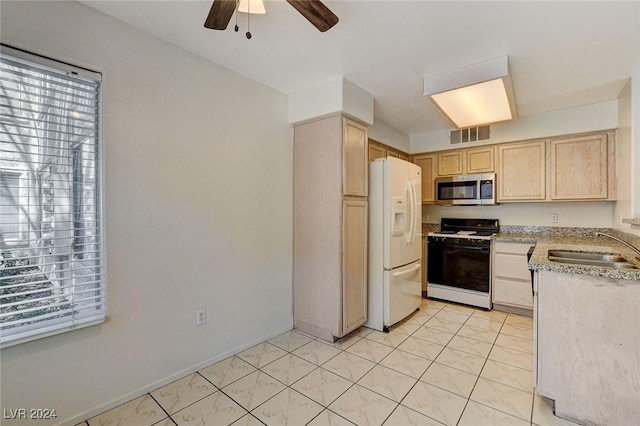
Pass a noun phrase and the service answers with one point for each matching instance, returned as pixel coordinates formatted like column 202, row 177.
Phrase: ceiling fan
column 314, row 10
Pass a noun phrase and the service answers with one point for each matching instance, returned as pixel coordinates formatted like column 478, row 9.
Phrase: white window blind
column 51, row 243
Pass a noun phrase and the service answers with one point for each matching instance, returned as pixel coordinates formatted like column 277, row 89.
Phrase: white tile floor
column 446, row 364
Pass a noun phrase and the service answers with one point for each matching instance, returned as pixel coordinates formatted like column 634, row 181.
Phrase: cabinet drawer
column 512, row 248
column 515, row 293
column 511, row 266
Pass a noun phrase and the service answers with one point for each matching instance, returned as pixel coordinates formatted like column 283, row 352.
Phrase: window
column 9, row 199
column 51, row 243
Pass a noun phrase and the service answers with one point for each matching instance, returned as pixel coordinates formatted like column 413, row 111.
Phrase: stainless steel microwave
column 466, row 190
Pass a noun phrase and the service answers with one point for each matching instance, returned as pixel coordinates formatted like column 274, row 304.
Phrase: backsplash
column 552, row 231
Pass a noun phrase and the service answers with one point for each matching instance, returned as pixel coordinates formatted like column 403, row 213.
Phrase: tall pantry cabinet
column 330, row 186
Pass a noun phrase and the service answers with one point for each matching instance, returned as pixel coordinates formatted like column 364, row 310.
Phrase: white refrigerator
column 395, row 238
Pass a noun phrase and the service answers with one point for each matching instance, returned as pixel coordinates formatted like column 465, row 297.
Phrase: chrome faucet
column 619, row 240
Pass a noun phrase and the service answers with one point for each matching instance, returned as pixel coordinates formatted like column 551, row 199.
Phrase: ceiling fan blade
column 316, row 13
column 220, row 14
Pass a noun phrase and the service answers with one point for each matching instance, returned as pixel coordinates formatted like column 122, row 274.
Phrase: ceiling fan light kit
column 313, row 10
column 474, row 95
column 255, row 7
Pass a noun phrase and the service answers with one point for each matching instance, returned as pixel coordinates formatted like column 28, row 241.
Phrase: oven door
column 466, row 265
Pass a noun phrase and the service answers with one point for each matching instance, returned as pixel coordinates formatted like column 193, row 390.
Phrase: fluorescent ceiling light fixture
column 252, row 6
column 475, row 95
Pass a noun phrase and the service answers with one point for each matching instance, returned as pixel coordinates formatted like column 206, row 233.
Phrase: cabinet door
column 451, row 163
column 521, row 171
column 354, row 265
column 511, row 275
column 579, row 168
column 355, row 164
column 403, row 156
column 376, row 151
column 480, row 160
column 512, row 293
column 428, row 165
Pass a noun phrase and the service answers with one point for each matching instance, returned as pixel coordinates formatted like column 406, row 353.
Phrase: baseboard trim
column 513, row 310
column 172, row 378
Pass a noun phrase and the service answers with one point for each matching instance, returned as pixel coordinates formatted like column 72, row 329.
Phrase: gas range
column 459, row 261
column 477, row 235
column 481, row 229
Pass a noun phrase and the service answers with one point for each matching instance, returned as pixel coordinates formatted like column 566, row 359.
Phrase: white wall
column 585, row 118
column 635, row 141
column 334, row 96
column 574, row 214
column 388, row 135
column 198, row 166
column 623, row 207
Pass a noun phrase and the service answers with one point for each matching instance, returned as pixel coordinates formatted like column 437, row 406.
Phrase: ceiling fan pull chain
column 248, row 34
column 236, row 28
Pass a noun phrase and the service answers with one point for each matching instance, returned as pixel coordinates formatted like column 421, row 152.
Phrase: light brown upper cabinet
column 480, row 160
column 428, row 164
column 380, row 150
column 472, row 160
column 451, row 163
column 355, row 166
column 521, row 171
column 376, row 151
column 580, row 168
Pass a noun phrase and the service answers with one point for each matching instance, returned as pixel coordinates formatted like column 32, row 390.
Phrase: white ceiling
column 562, row 54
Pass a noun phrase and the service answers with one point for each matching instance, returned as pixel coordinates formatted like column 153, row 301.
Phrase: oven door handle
column 456, row 246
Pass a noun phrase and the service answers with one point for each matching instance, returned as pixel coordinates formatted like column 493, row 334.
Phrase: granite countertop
column 581, row 243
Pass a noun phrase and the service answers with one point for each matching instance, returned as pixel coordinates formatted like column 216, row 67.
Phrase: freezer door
column 402, row 292
column 403, row 221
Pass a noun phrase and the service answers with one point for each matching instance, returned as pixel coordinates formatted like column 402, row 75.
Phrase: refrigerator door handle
column 415, row 211
column 407, row 272
column 409, row 236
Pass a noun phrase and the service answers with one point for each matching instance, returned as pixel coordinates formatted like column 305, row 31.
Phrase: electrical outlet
column 201, row 317
column 553, row 217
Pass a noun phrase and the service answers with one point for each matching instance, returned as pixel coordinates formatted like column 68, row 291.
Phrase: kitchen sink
column 608, row 260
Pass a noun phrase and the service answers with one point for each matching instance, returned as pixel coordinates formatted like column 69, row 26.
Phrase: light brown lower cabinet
column 586, row 349
column 511, row 277
column 354, row 264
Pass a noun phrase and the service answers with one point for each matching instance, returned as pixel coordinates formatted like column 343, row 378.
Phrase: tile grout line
column 479, row 373
column 478, row 378
column 159, row 405
column 375, row 364
column 418, row 380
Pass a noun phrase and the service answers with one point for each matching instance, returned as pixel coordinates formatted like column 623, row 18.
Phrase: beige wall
column 584, row 118
column 388, row 135
column 623, row 207
column 575, row 214
column 198, row 196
